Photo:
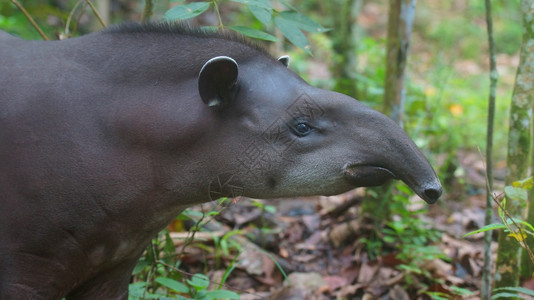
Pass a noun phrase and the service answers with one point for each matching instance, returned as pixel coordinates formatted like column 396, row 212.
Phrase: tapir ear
column 285, row 60
column 217, row 81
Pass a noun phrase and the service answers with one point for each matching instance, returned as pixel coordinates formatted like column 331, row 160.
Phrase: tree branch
column 32, row 21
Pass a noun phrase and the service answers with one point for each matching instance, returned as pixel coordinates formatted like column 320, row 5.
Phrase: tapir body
column 105, row 138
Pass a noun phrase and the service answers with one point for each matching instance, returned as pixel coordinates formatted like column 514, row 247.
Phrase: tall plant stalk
column 400, row 22
column 486, row 274
column 401, row 15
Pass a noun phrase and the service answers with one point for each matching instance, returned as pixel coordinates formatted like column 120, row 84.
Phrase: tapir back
column 97, row 154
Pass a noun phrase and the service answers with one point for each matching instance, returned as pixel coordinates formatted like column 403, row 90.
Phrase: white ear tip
column 217, row 58
column 284, row 59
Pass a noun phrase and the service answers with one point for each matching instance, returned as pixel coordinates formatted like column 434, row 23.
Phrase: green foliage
column 411, row 235
column 264, row 228
column 158, row 268
column 194, row 288
column 157, row 272
column 13, row 20
column 290, row 22
column 517, row 228
column 511, row 292
column 253, row 33
column 406, row 235
column 186, row 11
column 263, row 207
column 173, row 285
column 457, row 292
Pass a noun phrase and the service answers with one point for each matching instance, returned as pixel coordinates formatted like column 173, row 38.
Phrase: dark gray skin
column 104, row 139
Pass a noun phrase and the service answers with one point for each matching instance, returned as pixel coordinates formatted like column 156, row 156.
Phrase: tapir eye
column 302, row 128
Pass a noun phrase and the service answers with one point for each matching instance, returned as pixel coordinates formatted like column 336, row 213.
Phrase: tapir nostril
column 432, row 194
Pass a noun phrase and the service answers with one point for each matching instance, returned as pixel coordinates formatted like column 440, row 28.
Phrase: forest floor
column 322, row 243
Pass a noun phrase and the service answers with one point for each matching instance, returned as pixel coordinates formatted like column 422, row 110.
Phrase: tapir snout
column 386, row 152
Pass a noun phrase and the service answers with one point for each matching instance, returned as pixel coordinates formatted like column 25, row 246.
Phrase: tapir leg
column 20, row 292
column 109, row 284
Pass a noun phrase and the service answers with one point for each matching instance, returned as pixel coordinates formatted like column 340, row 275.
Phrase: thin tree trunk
column 344, row 38
column 400, row 21
column 526, row 263
column 519, row 147
column 486, row 273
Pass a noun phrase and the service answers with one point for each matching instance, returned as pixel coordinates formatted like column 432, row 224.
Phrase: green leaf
column 527, row 225
column 221, row 294
column 270, row 209
column 487, row 228
column 229, row 269
column 275, row 262
column 410, row 268
column 141, row 265
column 437, row 295
column 521, row 290
column 504, row 295
column 461, row 291
column 169, row 250
column 303, row 22
column 389, row 239
column 173, row 285
column 224, row 247
column 199, row 282
column 212, row 213
column 403, row 188
column 221, row 200
column 526, row 183
column 186, row 11
column 134, row 288
column 501, row 212
column 257, row 3
column 168, row 247
column 137, row 290
column 515, row 193
column 264, row 15
column 257, row 203
column 288, row 5
column 261, row 9
column 293, row 34
column 189, row 214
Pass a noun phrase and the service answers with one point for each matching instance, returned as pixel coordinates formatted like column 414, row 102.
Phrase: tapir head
column 301, row 140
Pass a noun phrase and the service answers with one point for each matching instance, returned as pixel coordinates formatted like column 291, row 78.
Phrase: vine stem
column 71, row 14
column 97, row 14
column 221, row 25
column 32, row 21
column 519, row 229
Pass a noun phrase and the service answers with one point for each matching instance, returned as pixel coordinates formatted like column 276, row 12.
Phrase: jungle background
column 369, row 243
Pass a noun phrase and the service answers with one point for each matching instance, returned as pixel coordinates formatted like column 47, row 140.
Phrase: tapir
column 105, row 138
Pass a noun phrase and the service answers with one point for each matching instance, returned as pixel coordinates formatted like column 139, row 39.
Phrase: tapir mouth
column 367, row 175
column 361, row 175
